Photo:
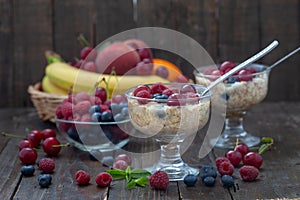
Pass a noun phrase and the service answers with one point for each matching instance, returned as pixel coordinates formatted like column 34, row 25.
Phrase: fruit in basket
column 119, row 56
column 49, row 87
column 67, row 77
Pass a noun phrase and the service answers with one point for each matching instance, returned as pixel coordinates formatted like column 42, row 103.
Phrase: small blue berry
column 227, row 181
column 119, row 117
column 96, row 116
column 125, row 111
column 161, row 96
column 115, row 108
column 190, row 180
column 232, row 79
column 45, row 180
column 73, row 134
column 94, row 108
column 208, row 170
column 27, row 170
column 106, row 116
column 209, row 181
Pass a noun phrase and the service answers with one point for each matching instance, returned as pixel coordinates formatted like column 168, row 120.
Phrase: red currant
column 27, row 156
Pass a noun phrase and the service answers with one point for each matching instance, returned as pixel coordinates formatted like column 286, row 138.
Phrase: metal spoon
column 254, row 58
column 283, row 58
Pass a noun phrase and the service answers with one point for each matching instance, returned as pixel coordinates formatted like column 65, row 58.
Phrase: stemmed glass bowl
column 169, row 120
column 241, row 93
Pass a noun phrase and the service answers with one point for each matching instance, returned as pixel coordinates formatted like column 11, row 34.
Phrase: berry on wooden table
column 254, row 159
column 248, row 173
column 190, row 180
column 227, row 181
column 235, row 157
column 27, row 156
column 103, row 179
column 44, row 180
column 27, row 170
column 82, row 177
column 47, row 165
column 226, row 168
column 159, row 180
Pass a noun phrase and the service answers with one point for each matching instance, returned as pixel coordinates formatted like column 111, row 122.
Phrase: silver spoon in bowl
column 247, row 62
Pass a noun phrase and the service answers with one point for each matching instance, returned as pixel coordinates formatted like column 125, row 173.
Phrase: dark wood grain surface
column 279, row 176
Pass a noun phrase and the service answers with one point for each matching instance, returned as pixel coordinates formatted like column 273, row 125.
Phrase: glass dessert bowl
column 169, row 113
column 243, row 90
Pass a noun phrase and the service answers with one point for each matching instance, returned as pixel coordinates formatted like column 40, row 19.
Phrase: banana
column 66, row 77
column 51, row 88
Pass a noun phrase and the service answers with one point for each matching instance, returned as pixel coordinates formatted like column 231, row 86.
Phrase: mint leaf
column 267, row 140
column 142, row 181
column 117, row 173
column 131, row 184
column 128, row 174
column 138, row 173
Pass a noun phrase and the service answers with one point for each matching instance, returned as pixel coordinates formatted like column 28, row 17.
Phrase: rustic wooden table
column 279, row 177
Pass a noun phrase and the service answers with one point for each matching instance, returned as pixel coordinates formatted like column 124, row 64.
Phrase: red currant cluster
column 187, row 94
column 251, row 162
column 245, row 74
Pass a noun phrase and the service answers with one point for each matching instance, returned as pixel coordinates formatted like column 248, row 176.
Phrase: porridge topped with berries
column 243, row 90
column 164, row 109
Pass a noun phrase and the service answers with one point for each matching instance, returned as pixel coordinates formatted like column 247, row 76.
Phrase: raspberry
column 58, row 112
column 226, row 168
column 159, row 180
column 253, row 159
column 82, row 107
column 66, row 109
column 81, row 96
column 103, row 179
column 219, row 160
column 47, row 165
column 86, row 118
column 248, row 173
column 82, row 177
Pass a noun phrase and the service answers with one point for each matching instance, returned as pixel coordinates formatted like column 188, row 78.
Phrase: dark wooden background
column 228, row 29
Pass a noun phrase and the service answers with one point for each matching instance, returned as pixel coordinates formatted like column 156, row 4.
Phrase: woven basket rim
column 36, row 90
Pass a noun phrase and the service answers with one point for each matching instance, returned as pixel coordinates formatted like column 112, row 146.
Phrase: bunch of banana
column 61, row 77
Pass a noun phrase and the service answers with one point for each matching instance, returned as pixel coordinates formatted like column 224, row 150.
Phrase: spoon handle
column 284, row 58
column 247, row 62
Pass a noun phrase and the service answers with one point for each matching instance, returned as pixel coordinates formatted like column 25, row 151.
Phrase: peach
column 119, row 56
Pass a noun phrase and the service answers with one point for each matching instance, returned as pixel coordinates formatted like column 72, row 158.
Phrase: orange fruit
column 173, row 70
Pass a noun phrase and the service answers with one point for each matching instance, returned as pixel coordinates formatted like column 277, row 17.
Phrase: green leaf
column 267, row 140
column 263, row 148
column 116, row 173
column 128, row 174
column 142, row 181
column 138, row 173
column 131, row 184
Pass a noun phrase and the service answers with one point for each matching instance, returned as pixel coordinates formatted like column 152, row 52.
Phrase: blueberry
column 27, row 170
column 106, row 117
column 96, row 116
column 227, row 181
column 190, row 180
column 209, row 181
column 44, row 180
column 125, row 111
column 232, row 79
column 123, row 104
column 161, row 96
column 155, row 95
column 119, row 117
column 73, row 134
column 94, row 108
column 115, row 108
column 207, row 171
column 107, row 161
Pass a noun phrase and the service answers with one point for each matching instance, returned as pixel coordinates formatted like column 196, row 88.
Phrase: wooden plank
column 6, row 52
column 112, row 17
column 72, row 18
column 280, row 20
column 238, row 30
column 32, row 31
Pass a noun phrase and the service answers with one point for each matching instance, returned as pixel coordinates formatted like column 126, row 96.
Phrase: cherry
column 226, row 66
column 51, row 146
column 182, row 79
column 27, row 156
column 235, row 157
column 175, row 100
column 140, row 88
column 25, row 144
column 101, row 93
column 46, row 133
column 253, row 158
column 244, row 75
column 143, row 94
column 187, row 88
column 144, row 53
column 34, row 138
column 37, row 133
column 85, row 52
column 158, row 88
column 242, row 148
column 118, row 98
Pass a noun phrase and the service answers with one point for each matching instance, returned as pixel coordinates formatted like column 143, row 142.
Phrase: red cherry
column 118, row 98
column 176, row 100
column 187, row 89
column 101, row 93
column 235, row 157
column 37, row 133
column 51, row 146
column 46, row 133
column 34, row 139
column 144, row 94
column 215, row 74
column 158, row 88
column 27, row 156
column 140, row 88
column 25, row 144
column 242, row 148
column 226, row 66
column 253, row 158
column 85, row 52
column 245, row 75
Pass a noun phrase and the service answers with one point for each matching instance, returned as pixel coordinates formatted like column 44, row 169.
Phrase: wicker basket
column 44, row 103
